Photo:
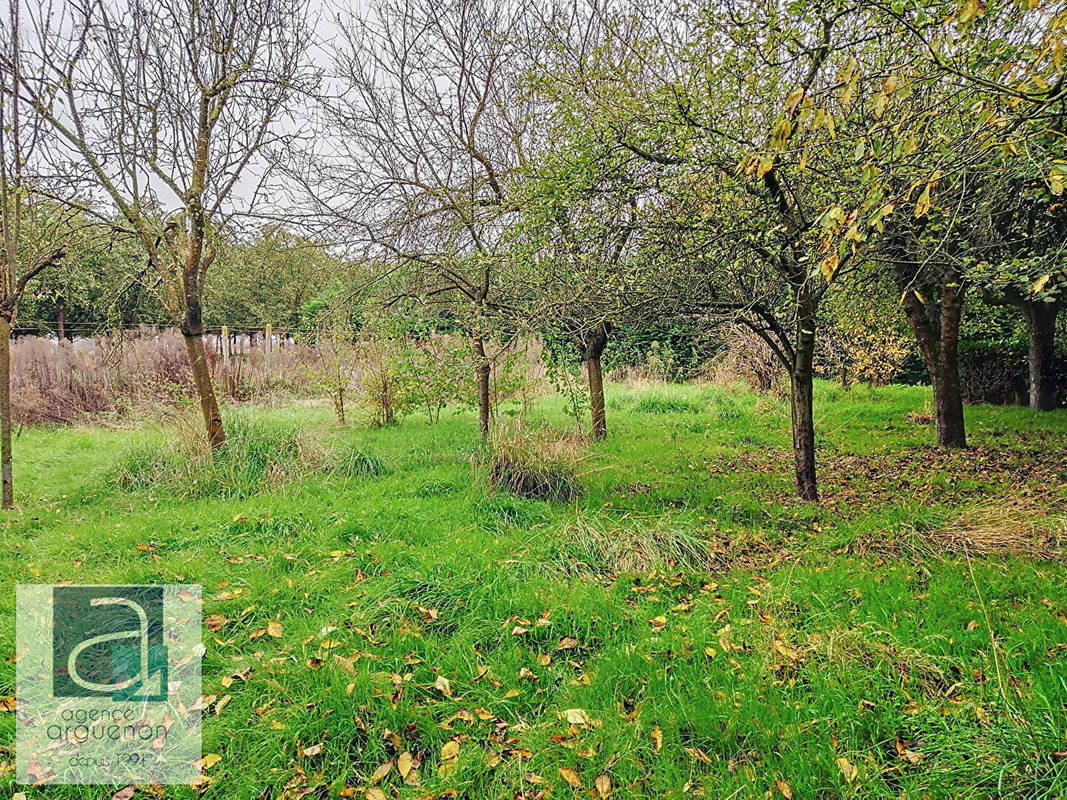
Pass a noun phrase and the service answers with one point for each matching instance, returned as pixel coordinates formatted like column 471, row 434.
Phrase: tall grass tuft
column 536, row 463
column 260, row 455
column 630, row 545
column 662, row 403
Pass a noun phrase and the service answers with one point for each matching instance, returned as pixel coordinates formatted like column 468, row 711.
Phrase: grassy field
column 684, row 628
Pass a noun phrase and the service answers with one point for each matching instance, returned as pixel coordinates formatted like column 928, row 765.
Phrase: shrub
column 745, row 358
column 538, row 464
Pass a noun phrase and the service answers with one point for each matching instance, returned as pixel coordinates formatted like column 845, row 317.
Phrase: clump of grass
column 351, row 461
column 259, row 456
column 536, row 463
column 664, row 404
column 632, row 545
column 1004, row 526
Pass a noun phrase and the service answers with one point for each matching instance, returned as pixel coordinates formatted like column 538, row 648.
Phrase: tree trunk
column 8, row 495
column 61, row 322
column 802, row 379
column 1041, row 326
column 595, row 343
column 937, row 332
column 948, row 399
column 484, row 372
column 193, row 332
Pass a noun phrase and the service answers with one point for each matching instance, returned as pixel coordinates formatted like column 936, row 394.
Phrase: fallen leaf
column 603, row 786
column 381, row 772
column 577, row 716
column 784, row 788
column 125, row 793
column 571, row 777
column 215, row 621
column 442, row 685
column 274, row 628
column 848, row 770
column 407, row 766
column 449, row 757
column 657, row 738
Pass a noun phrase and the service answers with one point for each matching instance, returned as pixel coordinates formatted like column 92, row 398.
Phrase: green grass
column 684, row 598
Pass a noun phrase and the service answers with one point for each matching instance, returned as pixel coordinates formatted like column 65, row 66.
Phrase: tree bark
column 483, row 370
column 1041, row 327
column 948, row 398
column 802, row 400
column 61, row 321
column 7, row 496
column 594, row 344
column 193, row 332
column 937, row 332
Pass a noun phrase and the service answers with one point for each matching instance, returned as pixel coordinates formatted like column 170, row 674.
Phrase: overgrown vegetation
column 260, row 456
column 687, row 630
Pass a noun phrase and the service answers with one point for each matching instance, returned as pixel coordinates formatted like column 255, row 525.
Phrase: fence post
column 268, row 346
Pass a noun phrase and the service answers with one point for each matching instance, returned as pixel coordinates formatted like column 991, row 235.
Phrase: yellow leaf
column 923, row 204
column 407, row 766
column 657, row 738
column 576, row 716
column 208, row 761
column 374, row 793
column 449, row 757
column 443, row 686
column 603, row 786
column 571, row 777
column 784, row 788
column 1040, row 283
column 829, row 266
column 275, row 629
column 381, row 772
column 848, row 770
column 766, row 164
column 880, row 102
column 793, row 100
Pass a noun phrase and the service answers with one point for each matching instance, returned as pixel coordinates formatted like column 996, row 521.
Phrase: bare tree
column 166, row 109
column 36, row 231
column 428, row 125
